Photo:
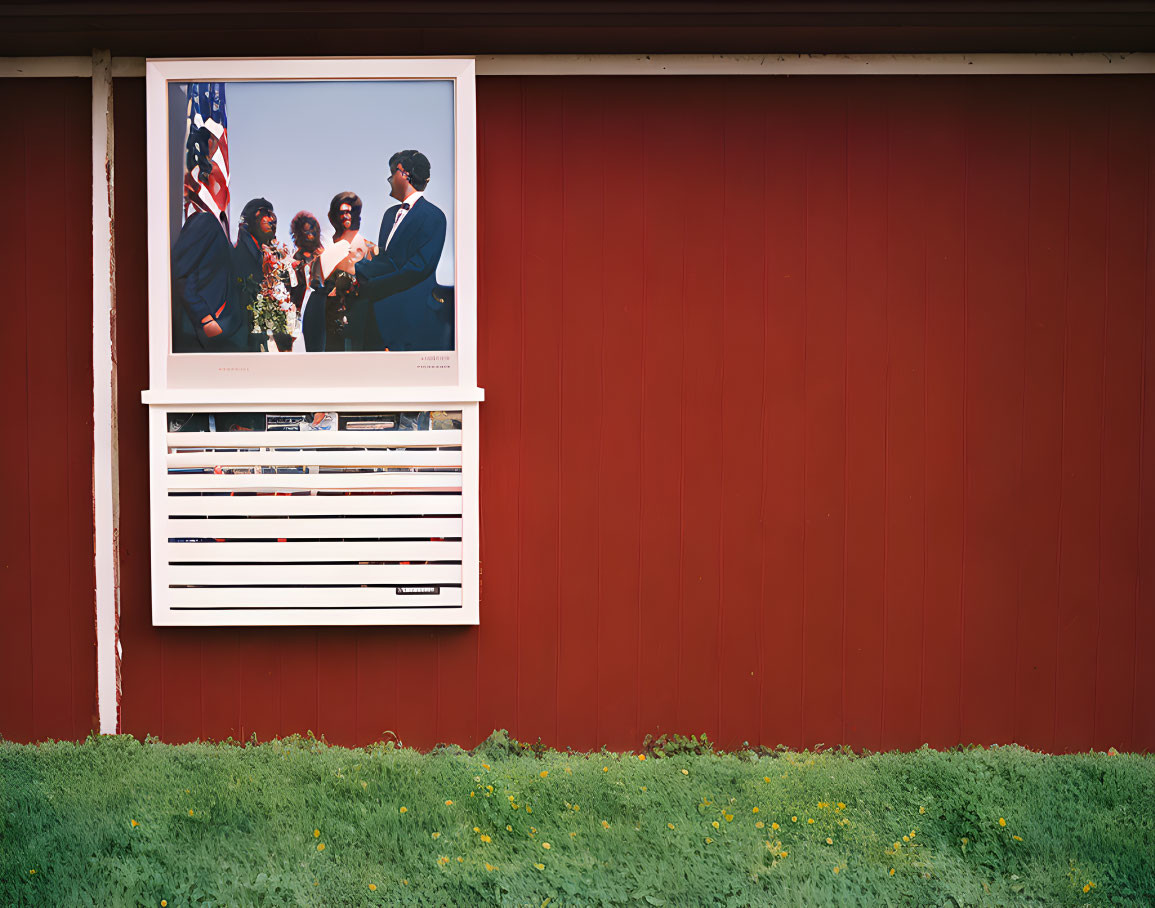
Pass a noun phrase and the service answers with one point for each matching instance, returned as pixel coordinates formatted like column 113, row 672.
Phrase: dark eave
column 160, row 28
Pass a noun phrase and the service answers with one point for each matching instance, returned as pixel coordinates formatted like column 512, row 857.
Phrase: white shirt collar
column 412, row 198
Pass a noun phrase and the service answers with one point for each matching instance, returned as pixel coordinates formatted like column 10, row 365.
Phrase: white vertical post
column 105, row 491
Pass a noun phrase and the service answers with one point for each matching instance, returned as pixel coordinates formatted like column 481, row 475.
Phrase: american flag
column 206, row 178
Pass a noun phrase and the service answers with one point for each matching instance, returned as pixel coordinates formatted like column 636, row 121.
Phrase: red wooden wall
column 818, row 410
column 48, row 641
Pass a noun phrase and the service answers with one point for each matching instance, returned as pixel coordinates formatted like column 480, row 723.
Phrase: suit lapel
column 407, row 222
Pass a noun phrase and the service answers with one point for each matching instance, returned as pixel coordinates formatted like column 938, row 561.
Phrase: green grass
column 222, row 824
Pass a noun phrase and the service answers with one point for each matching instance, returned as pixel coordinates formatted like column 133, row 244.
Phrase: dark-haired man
column 399, row 281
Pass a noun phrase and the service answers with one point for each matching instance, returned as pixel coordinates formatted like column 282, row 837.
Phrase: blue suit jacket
column 398, row 284
column 201, row 285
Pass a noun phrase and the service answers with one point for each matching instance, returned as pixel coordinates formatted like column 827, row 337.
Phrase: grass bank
column 117, row 822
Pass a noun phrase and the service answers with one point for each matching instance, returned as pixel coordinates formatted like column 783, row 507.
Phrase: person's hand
column 210, row 327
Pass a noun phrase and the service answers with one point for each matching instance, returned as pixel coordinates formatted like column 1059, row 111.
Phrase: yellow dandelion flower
column 783, row 854
column 489, row 788
column 822, row 805
column 320, row 846
column 473, row 794
column 759, row 825
column 573, row 835
column 404, row 882
column 1086, row 888
column 364, row 784
column 912, row 833
column 1091, row 883
column 642, row 757
column 1002, row 822
column 794, row 819
column 605, row 769
column 774, row 826
column 190, row 812
column 316, row 833
column 1017, row 838
column 841, row 806
column 544, row 773
column 539, row 866
column 753, row 810
column 766, row 779
column 685, row 772
column 897, row 845
column 906, row 838
column 533, row 830
column 448, row 803
column 405, row 810
column 490, row 867
column 546, row 845
column 477, row 829
column 508, row 828
column 372, row 887
column 576, row 808
column 164, row 903
column 810, row 821
column 708, row 840
column 605, row 825
column 486, row 838
column 922, row 809
column 729, row 817
column 892, row 871
column 836, row 868
column 669, row 825
column 716, row 824
column 528, row 809
column 460, row 860
column 829, row 841
column 443, row 860
column 435, row 836
column 965, row 840
column 134, row 823
column 485, row 766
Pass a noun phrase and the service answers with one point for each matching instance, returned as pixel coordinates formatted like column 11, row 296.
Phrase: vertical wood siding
column 48, row 643
column 818, row 410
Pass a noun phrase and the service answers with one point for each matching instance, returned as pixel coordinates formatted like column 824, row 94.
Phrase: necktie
column 400, row 211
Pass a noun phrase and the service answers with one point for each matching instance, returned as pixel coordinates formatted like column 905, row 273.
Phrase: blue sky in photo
column 298, row 144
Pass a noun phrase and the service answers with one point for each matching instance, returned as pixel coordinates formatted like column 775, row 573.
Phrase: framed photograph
column 312, row 224
column 313, row 409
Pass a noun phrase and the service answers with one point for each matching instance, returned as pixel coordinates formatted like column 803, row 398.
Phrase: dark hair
column 251, row 211
column 298, row 222
column 340, row 199
column 413, row 163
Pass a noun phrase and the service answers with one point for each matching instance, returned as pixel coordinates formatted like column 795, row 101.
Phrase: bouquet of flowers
column 272, row 310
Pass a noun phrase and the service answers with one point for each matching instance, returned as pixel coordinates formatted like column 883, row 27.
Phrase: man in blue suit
column 399, row 282
column 206, row 316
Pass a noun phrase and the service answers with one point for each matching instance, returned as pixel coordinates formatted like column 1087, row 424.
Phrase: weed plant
column 114, row 821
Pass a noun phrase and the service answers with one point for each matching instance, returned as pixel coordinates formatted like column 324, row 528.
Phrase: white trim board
column 815, row 64
column 705, row 65
column 65, row 67
column 105, row 480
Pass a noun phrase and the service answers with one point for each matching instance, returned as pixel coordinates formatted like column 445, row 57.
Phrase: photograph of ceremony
column 311, row 216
